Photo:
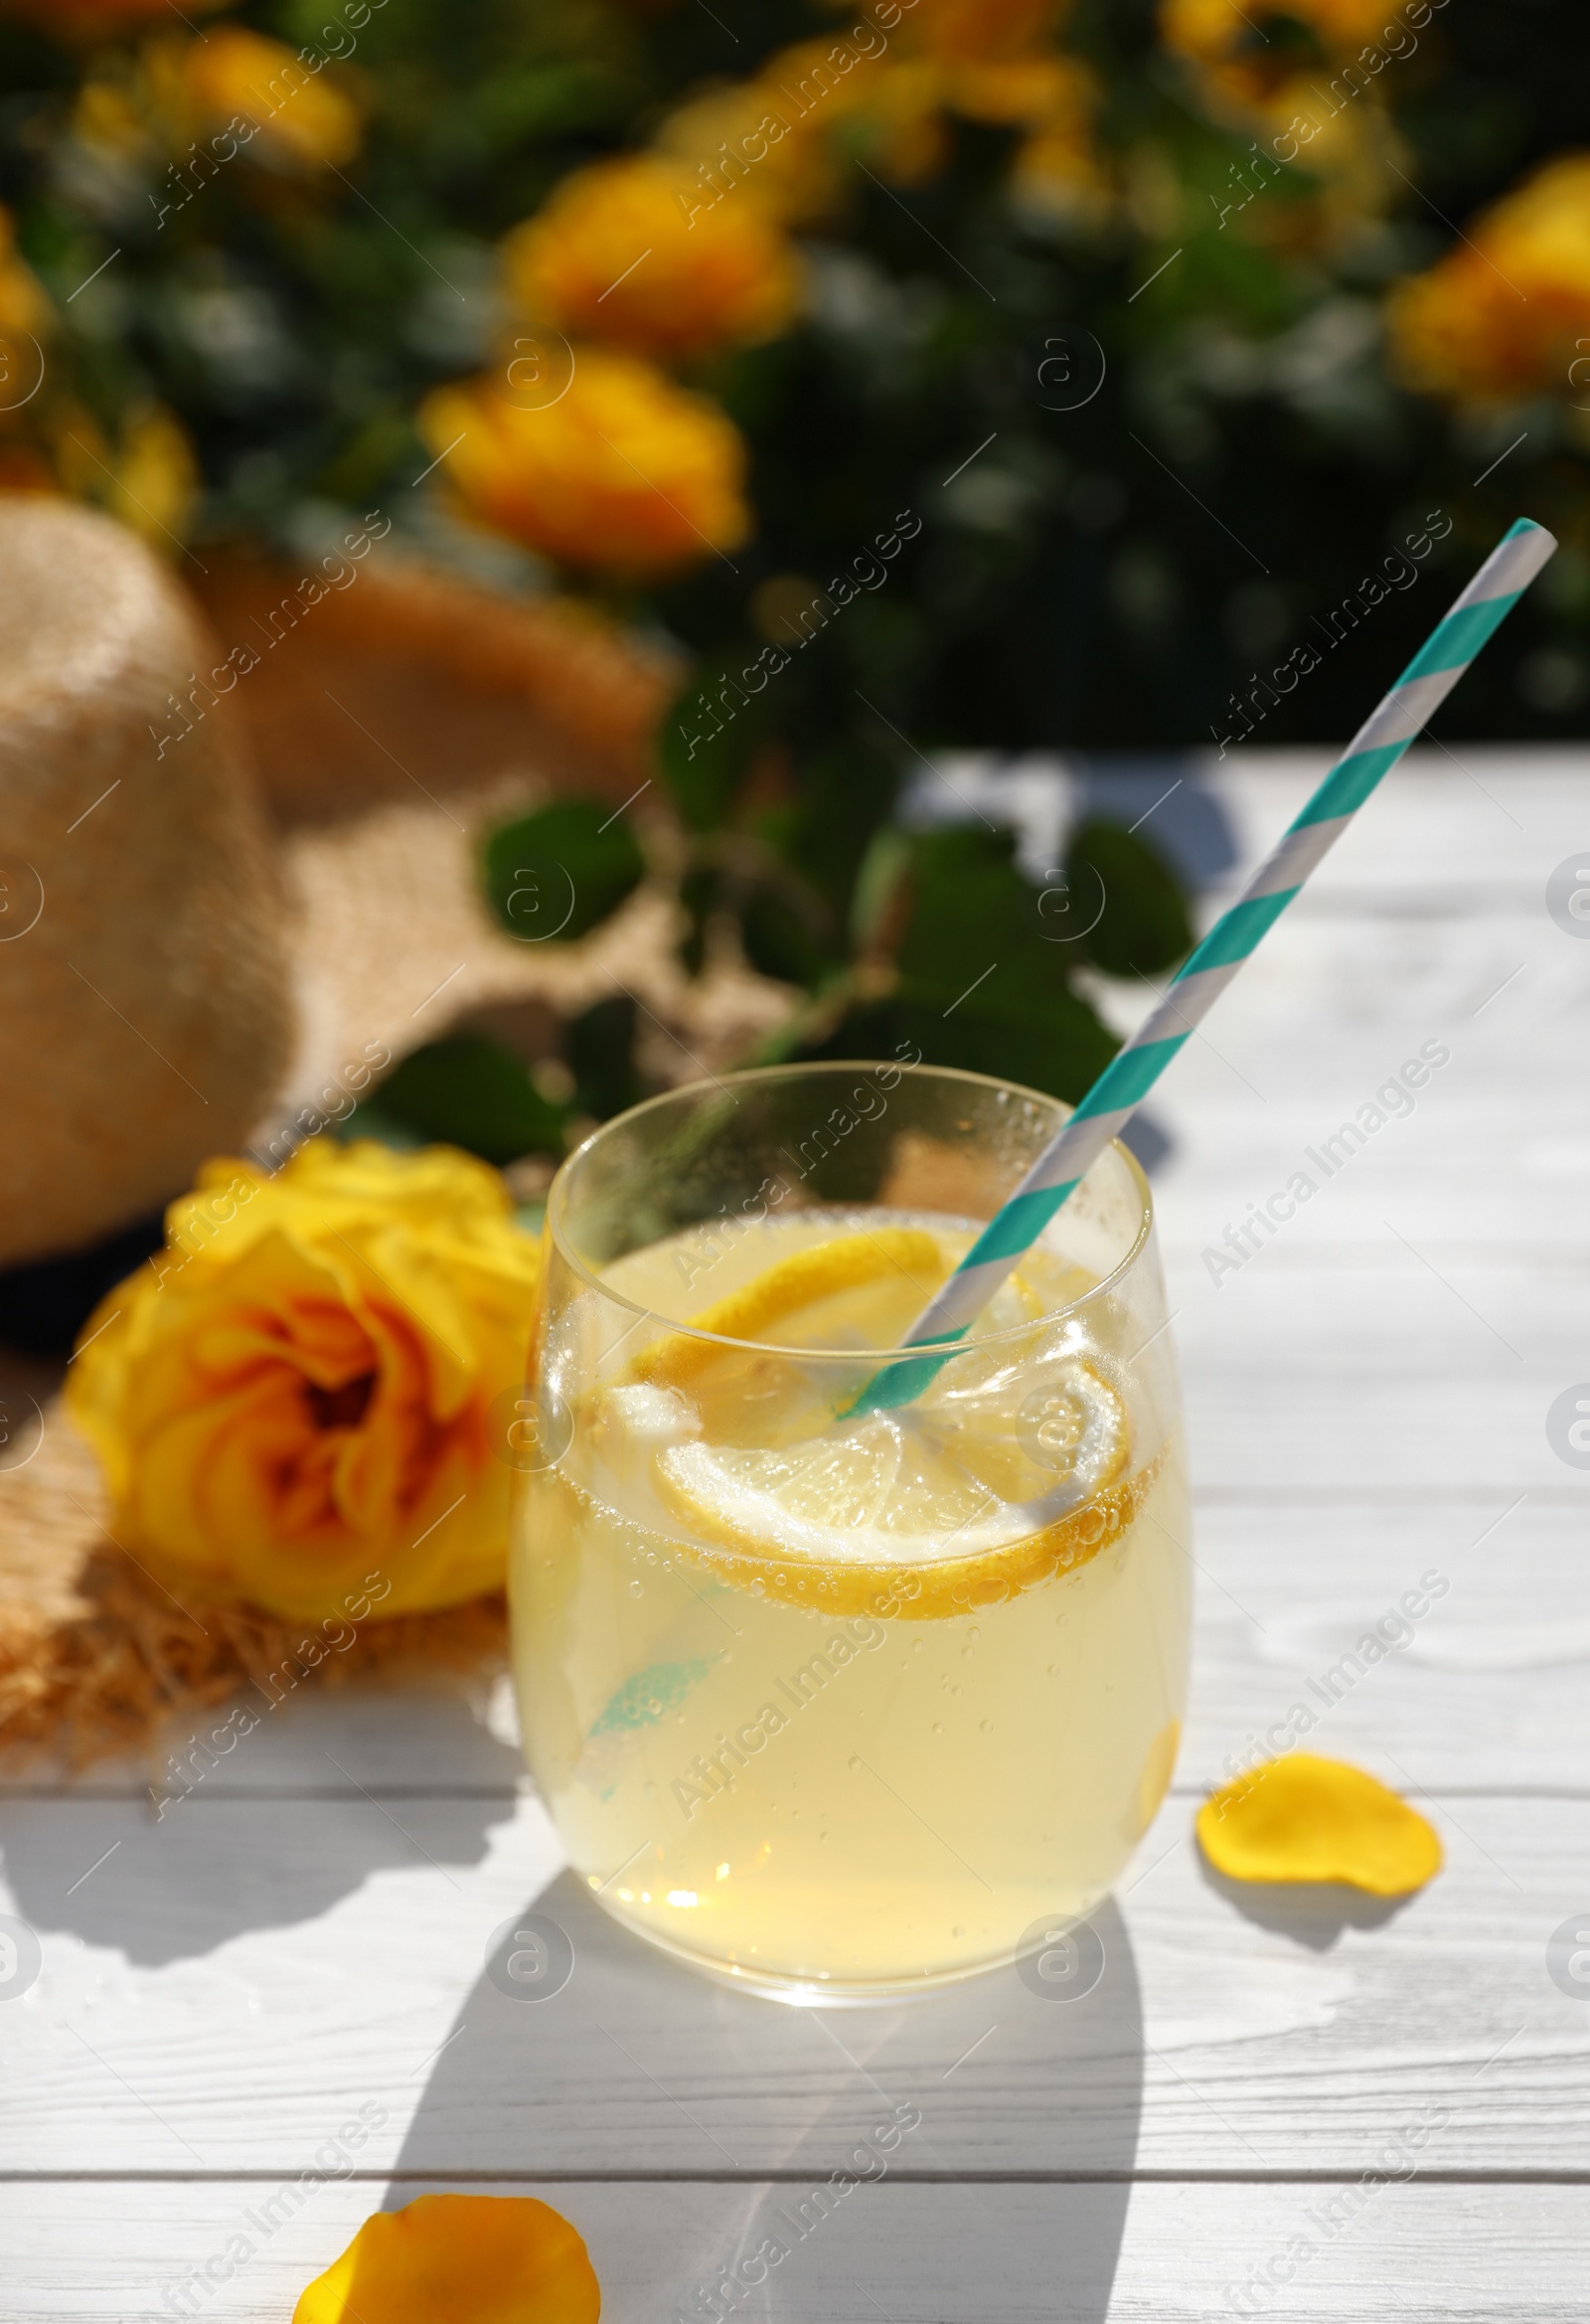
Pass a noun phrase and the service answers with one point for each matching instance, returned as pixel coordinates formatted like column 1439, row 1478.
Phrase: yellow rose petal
column 1300, row 1818
column 479, row 2258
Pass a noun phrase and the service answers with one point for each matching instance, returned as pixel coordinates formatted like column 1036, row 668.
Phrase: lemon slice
column 1047, row 1434
column 995, row 1479
column 899, row 1512
column 906, row 1257
column 855, row 1499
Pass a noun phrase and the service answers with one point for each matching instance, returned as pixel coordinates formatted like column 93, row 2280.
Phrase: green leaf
column 704, row 746
column 1055, row 1043
column 471, row 1092
column 599, row 1051
column 784, row 926
column 1062, row 1049
column 785, row 932
column 982, row 982
column 1143, row 925
column 845, row 795
column 560, row 871
column 972, row 913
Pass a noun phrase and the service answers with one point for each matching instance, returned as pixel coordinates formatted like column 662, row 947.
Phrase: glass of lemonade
column 829, row 1698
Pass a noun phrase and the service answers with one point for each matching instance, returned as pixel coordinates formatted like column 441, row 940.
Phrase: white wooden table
column 1266, row 2108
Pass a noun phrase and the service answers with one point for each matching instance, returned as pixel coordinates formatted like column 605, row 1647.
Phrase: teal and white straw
column 1119, row 1090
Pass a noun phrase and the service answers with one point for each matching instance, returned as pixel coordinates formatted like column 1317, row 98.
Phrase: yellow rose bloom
column 897, row 124
column 752, row 135
column 1056, row 175
column 624, row 473
column 972, row 31
column 1023, row 90
column 303, row 117
column 789, row 139
column 291, row 1402
column 25, row 304
column 817, row 114
column 641, row 253
column 1238, row 58
column 155, row 479
column 1505, row 313
column 105, row 119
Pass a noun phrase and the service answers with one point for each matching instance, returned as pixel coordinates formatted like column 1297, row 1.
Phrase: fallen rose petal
column 459, row 2260
column 1300, row 1818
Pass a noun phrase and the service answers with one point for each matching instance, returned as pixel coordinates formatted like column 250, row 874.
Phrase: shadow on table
column 300, row 1816
column 1313, row 1913
column 637, row 2068
column 1192, row 824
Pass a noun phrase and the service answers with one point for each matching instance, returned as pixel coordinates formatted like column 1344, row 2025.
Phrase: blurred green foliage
column 559, row 872
column 1100, row 570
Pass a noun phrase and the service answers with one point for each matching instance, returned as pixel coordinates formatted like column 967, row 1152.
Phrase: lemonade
column 833, row 1698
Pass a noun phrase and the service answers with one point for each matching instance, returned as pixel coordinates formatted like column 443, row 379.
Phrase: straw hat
column 146, row 1016
column 387, row 718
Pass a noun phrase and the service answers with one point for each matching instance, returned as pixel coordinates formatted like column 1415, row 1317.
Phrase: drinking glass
column 825, row 1698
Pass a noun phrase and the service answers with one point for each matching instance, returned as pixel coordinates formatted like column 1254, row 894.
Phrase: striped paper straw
column 1119, row 1090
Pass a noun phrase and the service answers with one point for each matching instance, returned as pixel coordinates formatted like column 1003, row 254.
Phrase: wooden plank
column 1356, row 1371
column 1487, row 1688
column 1014, row 2254
column 226, row 1986
column 1480, row 819
column 1307, row 1040
column 1332, row 1011
column 223, row 1988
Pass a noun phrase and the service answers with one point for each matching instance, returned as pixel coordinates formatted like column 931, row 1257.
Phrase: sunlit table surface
column 264, row 2015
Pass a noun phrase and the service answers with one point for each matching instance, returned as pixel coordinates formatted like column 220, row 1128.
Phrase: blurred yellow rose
column 25, row 304
column 107, row 120
column 1506, row 312
column 645, row 252
column 974, row 31
column 147, row 476
column 751, row 133
column 1022, row 91
column 623, row 472
column 155, row 479
column 897, row 120
column 1298, row 80
column 291, row 1402
column 789, row 139
column 303, row 118
column 1057, row 173
column 1236, row 54
column 845, row 102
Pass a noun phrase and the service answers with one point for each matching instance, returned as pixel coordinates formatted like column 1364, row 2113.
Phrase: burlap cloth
column 395, row 721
